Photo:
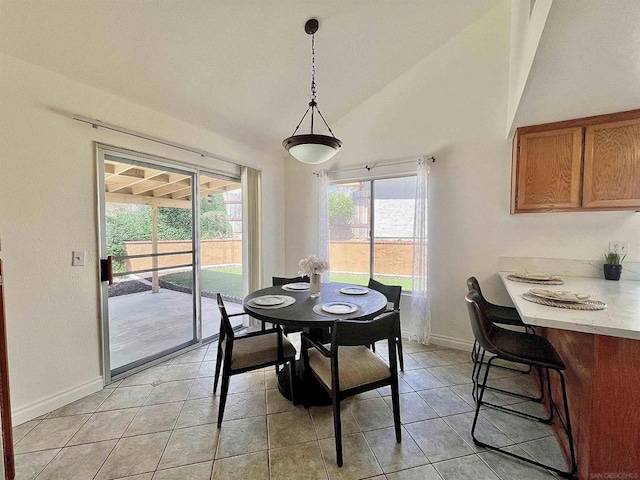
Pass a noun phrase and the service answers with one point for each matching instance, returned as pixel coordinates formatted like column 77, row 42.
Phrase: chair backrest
column 226, row 330
column 472, row 284
column 392, row 292
column 284, row 280
column 480, row 322
column 354, row 332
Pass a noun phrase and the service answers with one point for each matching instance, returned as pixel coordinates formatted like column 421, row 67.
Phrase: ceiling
column 240, row 68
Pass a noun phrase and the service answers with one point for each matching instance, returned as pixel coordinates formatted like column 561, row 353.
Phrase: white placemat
column 287, row 301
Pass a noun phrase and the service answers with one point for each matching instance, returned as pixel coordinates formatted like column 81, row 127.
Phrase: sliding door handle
column 106, row 270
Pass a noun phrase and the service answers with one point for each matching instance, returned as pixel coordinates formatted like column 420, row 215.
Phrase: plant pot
column 612, row 272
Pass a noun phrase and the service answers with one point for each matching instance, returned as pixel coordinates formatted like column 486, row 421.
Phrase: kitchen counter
column 601, row 350
column 620, row 319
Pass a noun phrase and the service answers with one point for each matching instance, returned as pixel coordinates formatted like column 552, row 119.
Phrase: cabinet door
column 547, row 170
column 612, row 165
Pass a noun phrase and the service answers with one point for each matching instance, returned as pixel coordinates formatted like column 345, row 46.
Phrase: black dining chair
column 251, row 351
column 522, row 348
column 275, row 281
column 393, row 294
column 347, row 367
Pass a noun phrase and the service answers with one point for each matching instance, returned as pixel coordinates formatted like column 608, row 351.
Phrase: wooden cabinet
column 590, row 163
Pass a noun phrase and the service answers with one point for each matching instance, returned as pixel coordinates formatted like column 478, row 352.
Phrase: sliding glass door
column 220, row 250
column 149, row 258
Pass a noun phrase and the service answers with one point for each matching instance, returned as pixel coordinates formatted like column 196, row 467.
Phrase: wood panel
column 612, row 165
column 549, row 169
column 602, row 376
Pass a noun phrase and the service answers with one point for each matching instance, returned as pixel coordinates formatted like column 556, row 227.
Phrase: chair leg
column 395, row 401
column 400, row 357
column 218, row 365
column 567, row 425
column 223, row 396
column 337, row 427
column 479, row 403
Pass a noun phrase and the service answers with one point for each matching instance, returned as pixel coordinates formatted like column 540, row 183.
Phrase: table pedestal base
column 308, row 391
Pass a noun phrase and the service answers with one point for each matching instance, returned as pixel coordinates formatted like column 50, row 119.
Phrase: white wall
column 48, row 208
column 454, row 105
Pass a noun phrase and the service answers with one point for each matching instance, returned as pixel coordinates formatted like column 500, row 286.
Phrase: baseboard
column 57, row 400
column 451, row 342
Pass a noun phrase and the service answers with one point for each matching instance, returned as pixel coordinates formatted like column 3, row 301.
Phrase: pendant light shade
column 312, row 148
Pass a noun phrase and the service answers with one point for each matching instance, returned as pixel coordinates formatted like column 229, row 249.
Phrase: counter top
column 620, row 319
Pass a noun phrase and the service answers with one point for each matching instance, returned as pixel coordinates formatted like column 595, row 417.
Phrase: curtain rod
column 368, row 167
column 203, row 153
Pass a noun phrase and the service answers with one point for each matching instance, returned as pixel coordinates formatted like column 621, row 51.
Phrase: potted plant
column 613, row 265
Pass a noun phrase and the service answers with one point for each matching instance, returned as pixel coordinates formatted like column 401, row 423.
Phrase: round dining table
column 306, row 313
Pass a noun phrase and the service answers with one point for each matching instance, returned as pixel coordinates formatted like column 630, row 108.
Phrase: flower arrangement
column 312, row 264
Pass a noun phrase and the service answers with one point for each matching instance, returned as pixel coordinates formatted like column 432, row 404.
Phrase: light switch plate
column 79, row 257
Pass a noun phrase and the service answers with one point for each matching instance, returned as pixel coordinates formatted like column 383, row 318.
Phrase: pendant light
column 312, row 148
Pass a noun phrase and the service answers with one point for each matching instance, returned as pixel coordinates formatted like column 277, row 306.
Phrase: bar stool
column 525, row 349
column 497, row 313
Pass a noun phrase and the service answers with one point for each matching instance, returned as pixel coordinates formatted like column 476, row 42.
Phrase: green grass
column 224, row 280
column 228, row 280
column 363, row 279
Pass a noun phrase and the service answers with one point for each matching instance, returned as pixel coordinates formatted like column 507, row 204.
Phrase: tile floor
column 160, row 425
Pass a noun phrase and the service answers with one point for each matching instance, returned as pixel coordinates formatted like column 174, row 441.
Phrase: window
column 371, row 231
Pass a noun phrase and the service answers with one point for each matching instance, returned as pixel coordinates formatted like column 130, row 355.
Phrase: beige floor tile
column 246, row 435
column 154, row 418
column 126, row 397
column 372, row 413
column 359, row 460
column 197, row 471
column 413, row 408
column 142, row 476
column 290, row 428
column 545, row 450
column 181, row 371
column 299, row 462
column 451, row 375
column 254, row 466
column 198, row 412
column 29, row 465
column 243, row 405
column 207, row 369
column 509, row 467
column 20, row 431
column 145, row 377
column 78, row 462
column 190, row 445
column 168, row 392
column 323, row 421
column 134, row 455
column 438, row 440
column 420, row 379
column 104, row 426
column 247, row 382
column 403, row 387
column 425, row 472
column 276, row 403
column 88, row 404
column 51, row 433
column 445, row 402
column 453, row 357
column 485, row 431
column 429, row 359
column 201, row 388
column 470, row 466
column 391, row 455
column 517, row 428
column 194, row 356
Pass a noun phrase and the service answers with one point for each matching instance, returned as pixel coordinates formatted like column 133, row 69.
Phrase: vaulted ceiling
column 240, row 68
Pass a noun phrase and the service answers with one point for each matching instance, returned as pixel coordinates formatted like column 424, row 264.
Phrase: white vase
column 314, row 287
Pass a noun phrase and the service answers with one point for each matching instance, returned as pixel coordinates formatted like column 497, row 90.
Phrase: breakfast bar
column 601, row 349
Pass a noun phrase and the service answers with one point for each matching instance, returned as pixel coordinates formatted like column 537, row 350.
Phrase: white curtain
column 323, row 219
column 420, row 322
column 252, row 228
